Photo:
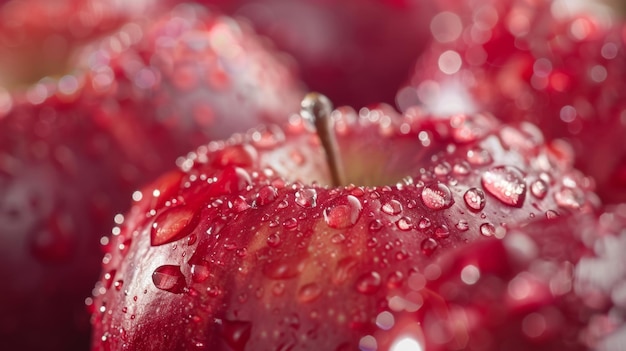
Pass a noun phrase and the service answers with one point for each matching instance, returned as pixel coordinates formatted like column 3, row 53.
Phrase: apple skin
column 247, row 246
column 522, row 63
column 356, row 52
column 554, row 284
column 72, row 151
column 39, row 37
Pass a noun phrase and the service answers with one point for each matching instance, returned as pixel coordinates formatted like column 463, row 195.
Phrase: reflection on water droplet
column 505, row 183
column 169, row 278
column 572, row 198
column 236, row 333
column 479, row 157
column 429, row 246
column 442, row 232
column 539, row 189
column 404, row 223
column 437, row 196
column 424, row 223
column 267, row 194
column 462, row 225
column 474, row 199
column 306, row 198
column 487, row 229
column 200, row 272
column 309, row 292
column 368, row 283
column 173, row 224
column 392, row 207
column 344, row 215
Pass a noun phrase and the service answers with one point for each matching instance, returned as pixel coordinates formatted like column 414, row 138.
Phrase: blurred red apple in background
column 357, row 52
column 73, row 150
column 524, row 63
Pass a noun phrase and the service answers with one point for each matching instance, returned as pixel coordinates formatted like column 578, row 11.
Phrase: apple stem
column 317, row 109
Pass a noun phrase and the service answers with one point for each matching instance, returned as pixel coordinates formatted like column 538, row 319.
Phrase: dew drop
column 474, row 199
column 392, row 207
column 266, row 195
column 570, row 198
column 487, row 229
column 280, row 270
column 424, row 223
column 368, row 283
column 505, row 183
column 443, row 169
column 309, row 292
column 375, row 225
column 306, row 198
column 236, row 333
column 428, row 246
column 173, row 224
column 551, row 214
column 169, row 278
column 345, row 215
column 404, row 224
column 539, row 189
column 442, row 232
column 479, row 157
column 200, row 272
column 462, row 168
column 437, row 196
column 462, row 225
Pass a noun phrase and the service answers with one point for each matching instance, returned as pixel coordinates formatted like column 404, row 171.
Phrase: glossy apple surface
column 73, row 150
column 248, row 245
column 531, row 63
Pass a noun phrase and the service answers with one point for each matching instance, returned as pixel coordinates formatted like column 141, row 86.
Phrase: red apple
column 37, row 37
column 522, row 63
column 556, row 284
column 256, row 243
column 357, row 52
column 73, row 150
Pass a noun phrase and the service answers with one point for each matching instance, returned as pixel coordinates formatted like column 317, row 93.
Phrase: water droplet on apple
column 443, row 169
column 462, row 225
column 551, row 214
column 280, row 270
column 173, row 224
column 404, row 224
column 343, row 215
column 539, row 189
column 169, row 278
column 462, row 168
column 309, row 292
column 572, row 198
column 236, row 333
column 266, row 195
column 479, row 157
column 487, row 229
column 505, row 183
column 474, row 199
column 437, row 196
column 428, row 246
column 392, row 207
column 236, row 155
column 375, row 225
column 200, row 272
column 442, row 232
column 344, row 267
column 424, row 223
column 118, row 285
column 306, row 198
column 368, row 283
